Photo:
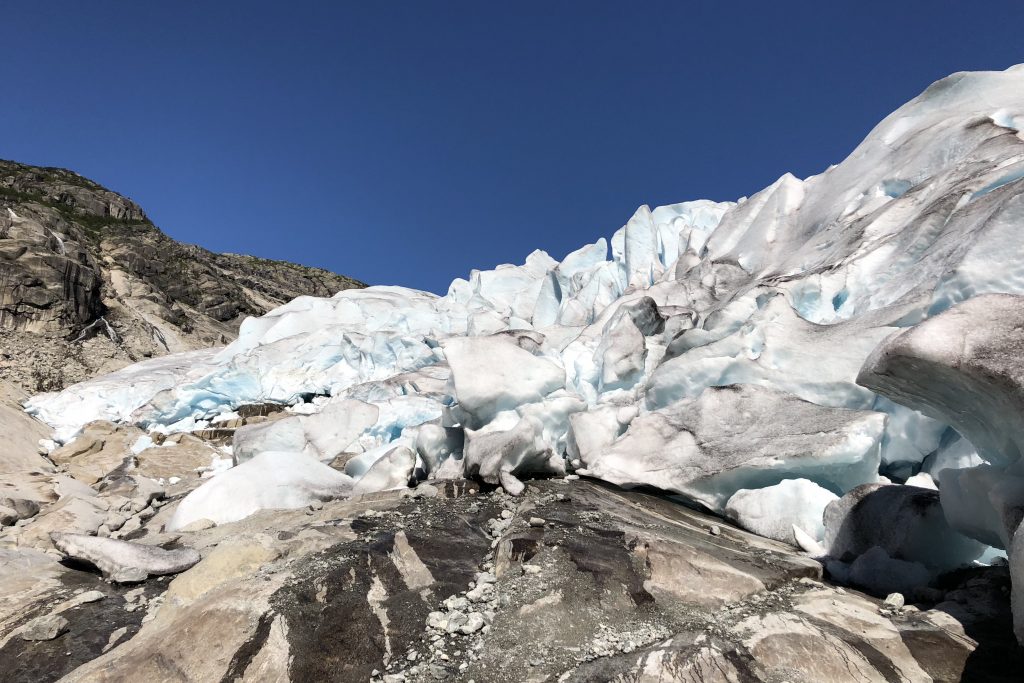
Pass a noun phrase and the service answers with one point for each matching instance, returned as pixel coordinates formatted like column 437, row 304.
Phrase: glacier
column 733, row 354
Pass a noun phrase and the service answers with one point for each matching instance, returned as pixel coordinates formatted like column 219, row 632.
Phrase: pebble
column 456, row 620
column 46, row 627
column 437, row 620
column 456, row 603
column 89, row 596
column 537, row 522
column 474, row 622
column 480, row 593
column 894, row 601
column 715, row 530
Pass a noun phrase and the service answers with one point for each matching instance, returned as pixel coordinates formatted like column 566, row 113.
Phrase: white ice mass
column 711, row 350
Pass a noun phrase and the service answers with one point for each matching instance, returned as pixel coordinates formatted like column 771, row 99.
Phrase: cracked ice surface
column 706, row 348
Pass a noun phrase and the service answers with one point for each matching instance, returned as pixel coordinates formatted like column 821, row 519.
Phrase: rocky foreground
column 572, row 581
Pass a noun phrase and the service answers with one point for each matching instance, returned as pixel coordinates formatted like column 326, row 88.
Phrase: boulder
column 906, row 522
column 123, row 561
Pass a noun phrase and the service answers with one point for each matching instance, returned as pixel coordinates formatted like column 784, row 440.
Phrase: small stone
column 480, row 593
column 425, row 490
column 133, row 524
column 894, row 601
column 437, row 620
column 456, row 603
column 412, row 656
column 506, row 514
column 531, row 569
column 44, row 628
column 715, row 530
column 474, row 622
column 537, row 522
column 456, row 620
column 89, row 596
column 316, row 505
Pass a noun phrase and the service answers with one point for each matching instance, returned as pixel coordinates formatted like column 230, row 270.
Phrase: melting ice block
column 774, row 510
column 736, row 437
column 271, row 480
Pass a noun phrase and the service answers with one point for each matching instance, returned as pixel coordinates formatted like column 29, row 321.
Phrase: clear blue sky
column 407, row 142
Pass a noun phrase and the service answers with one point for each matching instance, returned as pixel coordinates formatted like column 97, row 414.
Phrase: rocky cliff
column 88, row 283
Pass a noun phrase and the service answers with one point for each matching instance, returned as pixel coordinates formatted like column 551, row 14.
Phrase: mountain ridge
column 77, row 259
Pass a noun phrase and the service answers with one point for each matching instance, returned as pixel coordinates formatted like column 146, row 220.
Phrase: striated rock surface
column 464, row 584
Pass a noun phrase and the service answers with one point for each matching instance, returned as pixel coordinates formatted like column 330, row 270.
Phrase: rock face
column 463, row 585
column 89, row 284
